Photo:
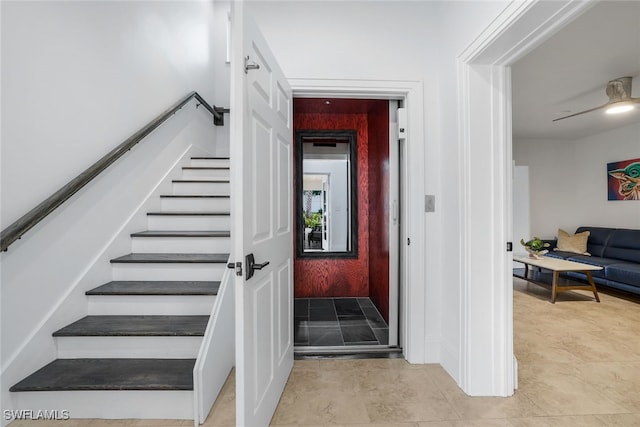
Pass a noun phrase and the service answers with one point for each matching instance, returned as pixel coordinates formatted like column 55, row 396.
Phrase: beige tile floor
column 579, row 365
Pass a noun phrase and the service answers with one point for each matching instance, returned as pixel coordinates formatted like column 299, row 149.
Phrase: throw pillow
column 576, row 243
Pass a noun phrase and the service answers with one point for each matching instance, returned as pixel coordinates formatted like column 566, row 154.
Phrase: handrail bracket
column 218, row 119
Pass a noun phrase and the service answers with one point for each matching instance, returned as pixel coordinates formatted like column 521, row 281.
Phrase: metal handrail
column 37, row 214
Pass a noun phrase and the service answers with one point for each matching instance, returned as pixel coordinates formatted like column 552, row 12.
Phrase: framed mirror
column 326, row 194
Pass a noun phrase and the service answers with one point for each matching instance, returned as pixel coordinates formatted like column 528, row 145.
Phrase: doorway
column 346, row 296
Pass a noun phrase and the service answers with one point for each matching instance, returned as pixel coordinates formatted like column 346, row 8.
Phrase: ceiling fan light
column 619, row 108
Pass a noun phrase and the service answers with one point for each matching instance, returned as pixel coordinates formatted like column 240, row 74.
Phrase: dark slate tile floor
column 338, row 322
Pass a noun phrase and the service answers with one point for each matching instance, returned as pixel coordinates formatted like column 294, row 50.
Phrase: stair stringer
column 216, row 356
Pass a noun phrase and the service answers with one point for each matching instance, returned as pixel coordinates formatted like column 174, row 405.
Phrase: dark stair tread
column 189, row 213
column 194, row 196
column 185, row 233
column 110, row 374
column 139, row 326
column 149, row 258
column 140, row 287
column 210, row 158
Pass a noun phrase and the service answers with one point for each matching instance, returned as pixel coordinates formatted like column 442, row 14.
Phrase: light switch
column 429, row 203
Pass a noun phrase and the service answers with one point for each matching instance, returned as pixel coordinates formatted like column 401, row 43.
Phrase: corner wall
column 568, row 181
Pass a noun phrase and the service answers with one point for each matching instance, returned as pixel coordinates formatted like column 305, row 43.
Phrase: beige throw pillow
column 576, row 243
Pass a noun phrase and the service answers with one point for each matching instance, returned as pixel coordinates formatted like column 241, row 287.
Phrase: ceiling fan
column 620, row 100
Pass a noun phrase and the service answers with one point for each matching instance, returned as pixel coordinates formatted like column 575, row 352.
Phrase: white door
column 261, row 144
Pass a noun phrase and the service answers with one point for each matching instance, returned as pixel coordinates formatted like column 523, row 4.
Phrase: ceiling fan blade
column 581, row 112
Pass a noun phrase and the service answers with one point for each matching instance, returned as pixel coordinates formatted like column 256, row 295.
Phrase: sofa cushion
column 598, row 239
column 624, row 272
column 576, row 243
column 560, row 254
column 624, row 245
column 591, row 260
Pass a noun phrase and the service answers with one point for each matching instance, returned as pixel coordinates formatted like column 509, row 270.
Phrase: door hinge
column 237, row 266
column 408, row 241
column 509, row 246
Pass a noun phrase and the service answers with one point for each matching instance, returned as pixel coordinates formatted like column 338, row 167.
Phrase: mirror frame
column 352, row 137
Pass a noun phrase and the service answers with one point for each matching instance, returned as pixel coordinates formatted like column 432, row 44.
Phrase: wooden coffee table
column 557, row 266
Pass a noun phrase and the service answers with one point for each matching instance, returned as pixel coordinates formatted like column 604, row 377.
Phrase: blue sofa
column 617, row 250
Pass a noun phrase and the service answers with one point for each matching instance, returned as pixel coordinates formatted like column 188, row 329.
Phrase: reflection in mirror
column 326, row 194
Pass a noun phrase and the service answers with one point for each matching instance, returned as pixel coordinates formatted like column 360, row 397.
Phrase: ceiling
column 568, row 73
column 336, row 105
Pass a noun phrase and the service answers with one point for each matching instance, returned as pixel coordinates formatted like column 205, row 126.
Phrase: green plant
column 534, row 245
column 313, row 220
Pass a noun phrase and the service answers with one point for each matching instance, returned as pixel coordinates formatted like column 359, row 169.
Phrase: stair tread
column 135, row 325
column 195, row 196
column 205, row 181
column 192, row 213
column 140, row 287
column 206, row 167
column 182, row 233
column 210, row 158
column 110, row 374
column 171, row 258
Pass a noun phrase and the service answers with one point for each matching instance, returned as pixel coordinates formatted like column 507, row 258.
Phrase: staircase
column 133, row 355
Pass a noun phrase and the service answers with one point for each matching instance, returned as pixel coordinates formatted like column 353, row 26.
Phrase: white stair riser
column 194, row 204
column 128, row 347
column 204, row 173
column 190, row 222
column 147, row 305
column 188, row 245
column 210, row 163
column 168, row 271
column 117, row 404
column 213, row 188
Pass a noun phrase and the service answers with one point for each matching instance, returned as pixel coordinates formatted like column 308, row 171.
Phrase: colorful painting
column 624, row 180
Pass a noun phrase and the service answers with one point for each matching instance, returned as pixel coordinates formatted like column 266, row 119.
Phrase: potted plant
column 535, row 247
column 313, row 221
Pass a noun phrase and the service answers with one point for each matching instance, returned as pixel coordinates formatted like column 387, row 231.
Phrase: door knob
column 252, row 265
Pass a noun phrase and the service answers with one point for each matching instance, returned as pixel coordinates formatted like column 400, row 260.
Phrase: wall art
column 623, row 180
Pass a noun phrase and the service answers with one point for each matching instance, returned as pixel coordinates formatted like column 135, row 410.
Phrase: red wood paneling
column 339, row 277
column 379, row 207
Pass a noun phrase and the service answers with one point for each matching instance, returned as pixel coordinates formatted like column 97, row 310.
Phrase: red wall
column 379, row 207
column 367, row 276
column 339, row 277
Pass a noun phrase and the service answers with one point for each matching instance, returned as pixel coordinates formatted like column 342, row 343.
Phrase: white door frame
column 394, row 224
column 487, row 363
column 412, row 302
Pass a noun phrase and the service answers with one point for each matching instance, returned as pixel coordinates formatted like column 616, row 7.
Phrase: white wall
column 399, row 41
column 569, row 181
column 78, row 78
column 521, row 209
column 220, row 69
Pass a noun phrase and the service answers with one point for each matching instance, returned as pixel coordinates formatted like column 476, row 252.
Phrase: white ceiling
column 568, row 73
